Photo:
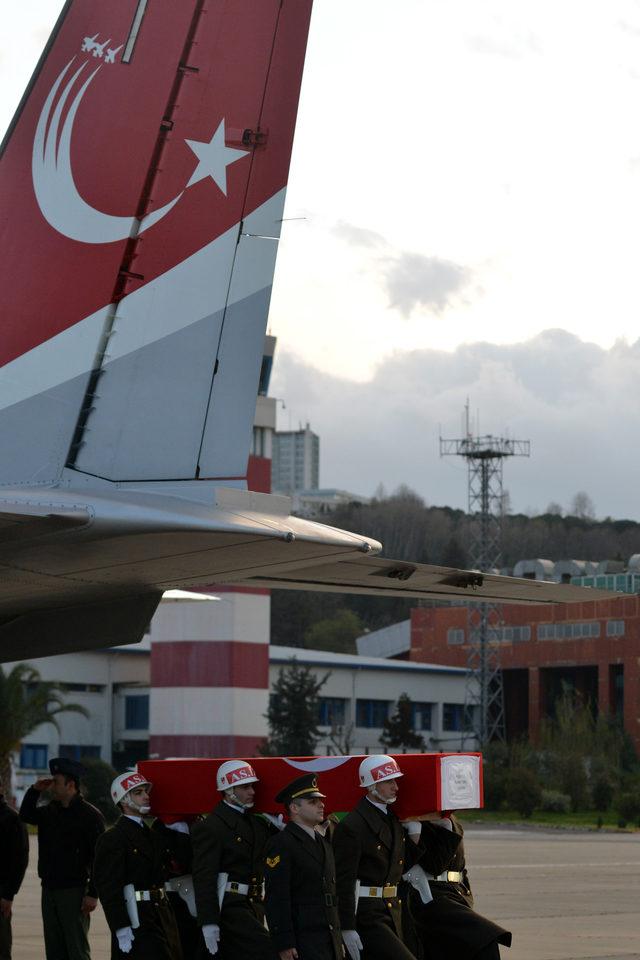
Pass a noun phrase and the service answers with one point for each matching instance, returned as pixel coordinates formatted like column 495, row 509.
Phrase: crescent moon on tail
column 55, row 189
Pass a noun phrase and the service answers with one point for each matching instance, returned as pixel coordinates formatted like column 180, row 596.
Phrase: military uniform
column 178, row 846
column 300, row 876
column 449, row 926
column 231, row 842
column 369, row 846
column 131, row 853
column 14, row 844
column 67, row 838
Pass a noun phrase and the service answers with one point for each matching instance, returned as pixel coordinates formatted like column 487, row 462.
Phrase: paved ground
column 565, row 896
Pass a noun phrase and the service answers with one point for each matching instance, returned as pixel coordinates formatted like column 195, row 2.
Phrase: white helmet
column 234, row 773
column 126, row 782
column 378, row 768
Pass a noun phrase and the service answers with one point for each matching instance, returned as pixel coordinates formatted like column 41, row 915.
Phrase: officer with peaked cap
column 68, row 830
column 130, row 870
column 371, row 856
column 228, row 870
column 300, row 875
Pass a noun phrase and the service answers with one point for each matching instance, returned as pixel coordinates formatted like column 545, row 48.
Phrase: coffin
column 431, row 782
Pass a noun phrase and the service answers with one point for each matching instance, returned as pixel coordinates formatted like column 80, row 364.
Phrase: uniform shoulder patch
column 273, row 861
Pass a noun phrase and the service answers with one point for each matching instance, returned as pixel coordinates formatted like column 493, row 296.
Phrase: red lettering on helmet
column 240, row 774
column 384, row 770
column 131, row 781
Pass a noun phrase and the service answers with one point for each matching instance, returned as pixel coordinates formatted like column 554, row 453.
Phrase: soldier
column 68, row 830
column 371, row 856
column 130, row 872
column 14, row 844
column 228, row 870
column 448, row 925
column 301, row 903
column 174, row 834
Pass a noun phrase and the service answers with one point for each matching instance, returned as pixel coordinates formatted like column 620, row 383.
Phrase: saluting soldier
column 300, row 877
column 448, row 925
column 228, row 869
column 130, row 871
column 68, row 831
column 371, row 856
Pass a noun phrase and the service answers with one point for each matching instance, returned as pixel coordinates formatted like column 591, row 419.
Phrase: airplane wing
column 375, row 576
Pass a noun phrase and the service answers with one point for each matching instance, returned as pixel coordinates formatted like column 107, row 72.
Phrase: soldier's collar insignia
column 273, row 861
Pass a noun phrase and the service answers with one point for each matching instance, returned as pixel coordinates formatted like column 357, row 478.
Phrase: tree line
column 411, row 530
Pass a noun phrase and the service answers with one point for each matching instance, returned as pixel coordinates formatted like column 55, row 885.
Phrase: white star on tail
column 214, row 158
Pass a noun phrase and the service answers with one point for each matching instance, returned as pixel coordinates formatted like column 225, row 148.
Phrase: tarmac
column 564, row 895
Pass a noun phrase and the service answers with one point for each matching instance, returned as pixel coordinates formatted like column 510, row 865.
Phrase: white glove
column 353, row 943
column 125, row 939
column 180, row 826
column 413, row 827
column 278, row 822
column 211, row 934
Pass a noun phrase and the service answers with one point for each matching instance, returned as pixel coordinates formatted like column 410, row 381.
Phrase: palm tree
column 26, row 701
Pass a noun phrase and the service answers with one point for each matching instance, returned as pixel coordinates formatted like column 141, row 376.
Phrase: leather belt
column 153, row 895
column 449, row 876
column 386, row 893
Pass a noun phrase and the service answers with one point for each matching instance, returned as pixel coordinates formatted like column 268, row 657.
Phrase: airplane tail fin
column 142, row 187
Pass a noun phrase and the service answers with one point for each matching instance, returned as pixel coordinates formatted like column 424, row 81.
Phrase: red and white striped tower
column 210, row 674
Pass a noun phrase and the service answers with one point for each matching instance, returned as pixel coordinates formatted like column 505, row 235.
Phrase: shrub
column 555, row 802
column 602, row 793
column 629, row 807
column 524, row 793
column 495, row 787
column 572, row 780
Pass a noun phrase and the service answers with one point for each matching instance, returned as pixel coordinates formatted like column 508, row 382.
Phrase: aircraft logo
column 58, row 197
column 90, row 45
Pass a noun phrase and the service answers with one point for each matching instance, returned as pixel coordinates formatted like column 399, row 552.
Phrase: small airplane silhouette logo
column 91, row 45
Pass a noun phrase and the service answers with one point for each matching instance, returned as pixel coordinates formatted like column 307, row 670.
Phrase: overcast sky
column 469, row 177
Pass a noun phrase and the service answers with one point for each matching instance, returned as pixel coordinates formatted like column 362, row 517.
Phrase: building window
column 512, row 634
column 615, row 628
column 453, row 717
column 79, row 751
column 136, row 712
column 371, row 713
column 331, row 711
column 455, row 636
column 34, row 756
column 568, row 631
column 421, row 716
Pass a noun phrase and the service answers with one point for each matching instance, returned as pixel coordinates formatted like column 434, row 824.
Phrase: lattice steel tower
column 485, row 456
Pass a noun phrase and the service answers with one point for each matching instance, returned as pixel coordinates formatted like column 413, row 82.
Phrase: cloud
column 358, row 236
column 411, row 280
column 503, row 43
column 575, row 401
column 414, row 280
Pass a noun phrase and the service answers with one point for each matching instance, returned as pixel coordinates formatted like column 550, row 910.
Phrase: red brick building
column 592, row 647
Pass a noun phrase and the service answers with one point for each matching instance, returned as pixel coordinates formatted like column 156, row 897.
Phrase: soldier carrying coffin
column 371, row 856
column 228, row 869
column 131, row 867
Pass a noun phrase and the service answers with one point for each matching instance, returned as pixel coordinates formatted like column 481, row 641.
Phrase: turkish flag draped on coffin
column 430, row 782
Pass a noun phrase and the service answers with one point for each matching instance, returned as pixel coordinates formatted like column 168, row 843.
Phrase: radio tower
column 485, row 456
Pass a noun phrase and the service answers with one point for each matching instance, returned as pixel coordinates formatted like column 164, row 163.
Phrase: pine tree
column 398, row 732
column 293, row 712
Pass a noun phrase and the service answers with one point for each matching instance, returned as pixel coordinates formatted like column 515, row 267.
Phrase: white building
column 361, row 692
